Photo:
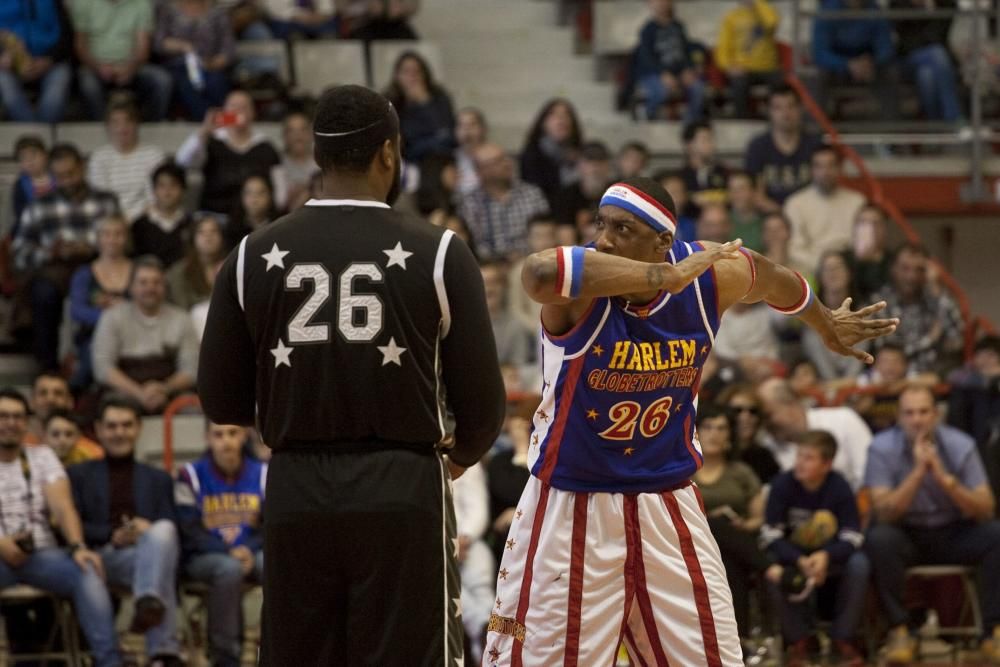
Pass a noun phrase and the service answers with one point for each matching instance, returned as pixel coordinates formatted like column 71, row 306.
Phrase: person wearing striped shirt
column 124, row 166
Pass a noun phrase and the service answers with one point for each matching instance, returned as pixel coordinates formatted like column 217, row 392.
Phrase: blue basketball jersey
column 231, row 509
column 619, row 395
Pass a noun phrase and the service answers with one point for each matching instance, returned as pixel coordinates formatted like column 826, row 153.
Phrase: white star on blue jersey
column 275, row 258
column 397, row 256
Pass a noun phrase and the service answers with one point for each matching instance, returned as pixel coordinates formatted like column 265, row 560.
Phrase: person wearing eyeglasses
column 748, row 436
column 33, row 490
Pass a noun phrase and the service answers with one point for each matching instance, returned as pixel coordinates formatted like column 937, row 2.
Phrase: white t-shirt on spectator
column 851, row 433
column 127, row 175
column 44, row 468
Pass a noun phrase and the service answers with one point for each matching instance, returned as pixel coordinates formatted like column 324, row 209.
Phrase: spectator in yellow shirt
column 62, row 434
column 747, row 51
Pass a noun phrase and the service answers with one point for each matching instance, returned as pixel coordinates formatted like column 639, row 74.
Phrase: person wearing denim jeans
column 932, row 505
column 38, row 58
column 33, row 492
column 663, row 64
column 220, row 499
column 113, row 42
column 923, row 51
column 128, row 516
column 812, row 525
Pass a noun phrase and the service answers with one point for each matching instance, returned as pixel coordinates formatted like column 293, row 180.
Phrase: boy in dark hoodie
column 663, row 64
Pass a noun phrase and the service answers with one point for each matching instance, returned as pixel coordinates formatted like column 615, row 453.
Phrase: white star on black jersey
column 275, row 258
column 282, row 354
column 391, row 352
column 397, row 256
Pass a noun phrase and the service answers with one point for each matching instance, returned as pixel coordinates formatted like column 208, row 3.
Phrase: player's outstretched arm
column 561, row 275
column 753, row 278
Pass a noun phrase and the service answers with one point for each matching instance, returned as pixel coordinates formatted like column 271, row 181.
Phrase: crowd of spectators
column 113, row 240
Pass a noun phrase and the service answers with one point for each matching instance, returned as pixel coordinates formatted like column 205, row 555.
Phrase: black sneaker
column 149, row 613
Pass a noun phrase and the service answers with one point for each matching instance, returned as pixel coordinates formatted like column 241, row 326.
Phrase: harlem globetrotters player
column 609, row 543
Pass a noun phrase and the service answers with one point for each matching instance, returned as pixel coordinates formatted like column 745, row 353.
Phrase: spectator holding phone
column 229, row 151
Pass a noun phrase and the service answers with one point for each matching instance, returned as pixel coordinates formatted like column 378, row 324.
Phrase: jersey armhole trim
column 701, row 304
column 753, row 270
column 558, row 338
column 241, row 270
column 193, row 476
column 439, row 286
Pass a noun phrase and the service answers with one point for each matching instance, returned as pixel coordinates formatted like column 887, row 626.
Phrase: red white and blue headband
column 644, row 207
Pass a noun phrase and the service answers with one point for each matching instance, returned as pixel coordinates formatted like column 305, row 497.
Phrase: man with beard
column 56, row 235
column 371, row 391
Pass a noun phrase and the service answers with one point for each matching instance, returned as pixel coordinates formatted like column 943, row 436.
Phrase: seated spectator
column 297, row 19
column 220, row 506
column 813, row 526
column 933, row 335
column 835, row 278
column 776, row 237
column 788, row 419
column 515, row 342
column 857, row 51
column 497, row 212
column 37, row 497
column 575, row 205
column 113, row 40
column 803, row 378
column 750, row 337
column 676, row 186
column 51, row 393
column 194, row 40
column 778, row 159
column 974, row 404
column 733, row 500
column 541, row 236
column 476, row 565
column 54, row 237
column 887, row 378
column 291, row 178
column 747, row 51
column 146, row 348
column 124, row 167
column 633, row 159
column 189, row 282
column 743, row 212
column 33, row 177
column 932, row 505
column 922, row 44
column 507, row 473
column 127, row 510
column 63, row 435
column 35, row 56
column 714, row 224
column 163, row 229
column 228, row 150
column 872, row 257
column 822, row 214
column 549, row 158
column 703, row 174
column 256, row 209
column 95, row 287
column 369, row 21
column 426, row 117
column 663, row 64
column 748, row 434
column 471, row 132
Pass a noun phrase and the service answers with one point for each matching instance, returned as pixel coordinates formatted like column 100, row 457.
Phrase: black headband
column 384, row 128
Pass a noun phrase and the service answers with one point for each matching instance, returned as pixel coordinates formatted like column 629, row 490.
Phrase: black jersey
column 347, row 322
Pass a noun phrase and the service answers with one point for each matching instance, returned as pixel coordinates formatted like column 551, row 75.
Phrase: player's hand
column 680, row 275
column 844, row 329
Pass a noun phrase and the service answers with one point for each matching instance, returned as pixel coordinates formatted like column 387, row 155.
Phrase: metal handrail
column 180, row 403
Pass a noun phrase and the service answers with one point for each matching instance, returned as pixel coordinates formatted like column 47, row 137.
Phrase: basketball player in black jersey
column 357, row 339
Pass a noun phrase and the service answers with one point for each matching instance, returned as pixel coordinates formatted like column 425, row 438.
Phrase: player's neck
column 641, row 298
column 348, row 188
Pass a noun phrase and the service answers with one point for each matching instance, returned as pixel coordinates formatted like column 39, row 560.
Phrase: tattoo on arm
column 654, row 276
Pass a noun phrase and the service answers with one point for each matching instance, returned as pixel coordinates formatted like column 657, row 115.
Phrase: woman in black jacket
column 549, row 156
column 426, row 117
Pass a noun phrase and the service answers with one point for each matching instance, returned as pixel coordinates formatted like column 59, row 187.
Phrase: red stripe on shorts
column 705, row 618
column 631, row 505
column 633, row 653
column 577, row 549
column 529, row 563
column 562, row 414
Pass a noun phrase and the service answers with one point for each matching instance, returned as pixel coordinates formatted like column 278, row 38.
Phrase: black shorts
column 359, row 561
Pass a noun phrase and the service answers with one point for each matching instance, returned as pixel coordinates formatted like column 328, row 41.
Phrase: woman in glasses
column 749, row 438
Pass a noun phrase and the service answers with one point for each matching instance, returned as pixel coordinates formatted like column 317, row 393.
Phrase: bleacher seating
column 275, row 49
column 323, row 63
